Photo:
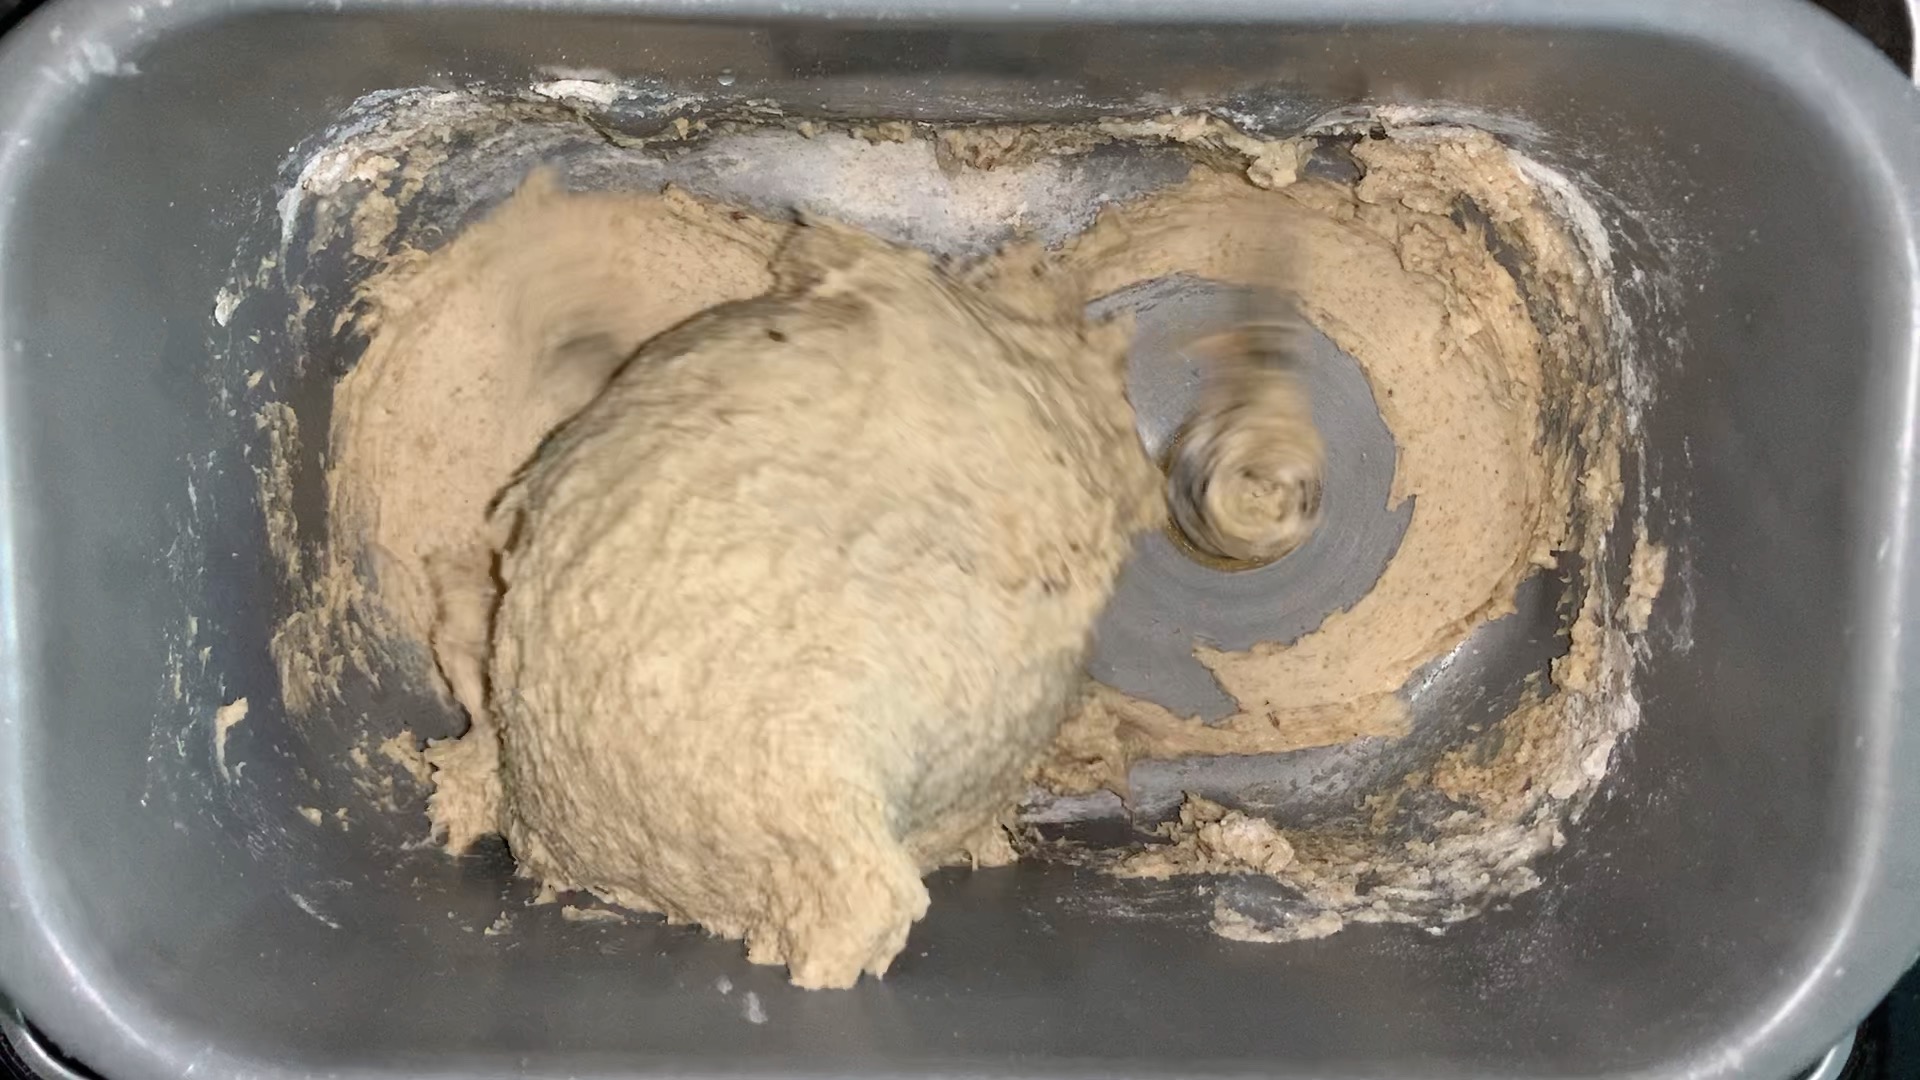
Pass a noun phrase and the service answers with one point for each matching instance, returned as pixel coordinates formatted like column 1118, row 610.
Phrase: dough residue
column 1208, row 838
column 1494, row 383
column 1393, row 272
column 224, row 719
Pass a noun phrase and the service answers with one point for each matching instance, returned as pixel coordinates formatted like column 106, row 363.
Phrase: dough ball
column 791, row 608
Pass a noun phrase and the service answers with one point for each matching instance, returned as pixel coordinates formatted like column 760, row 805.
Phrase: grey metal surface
column 1740, row 895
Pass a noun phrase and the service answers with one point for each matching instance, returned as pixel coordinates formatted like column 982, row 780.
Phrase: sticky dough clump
column 792, row 607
